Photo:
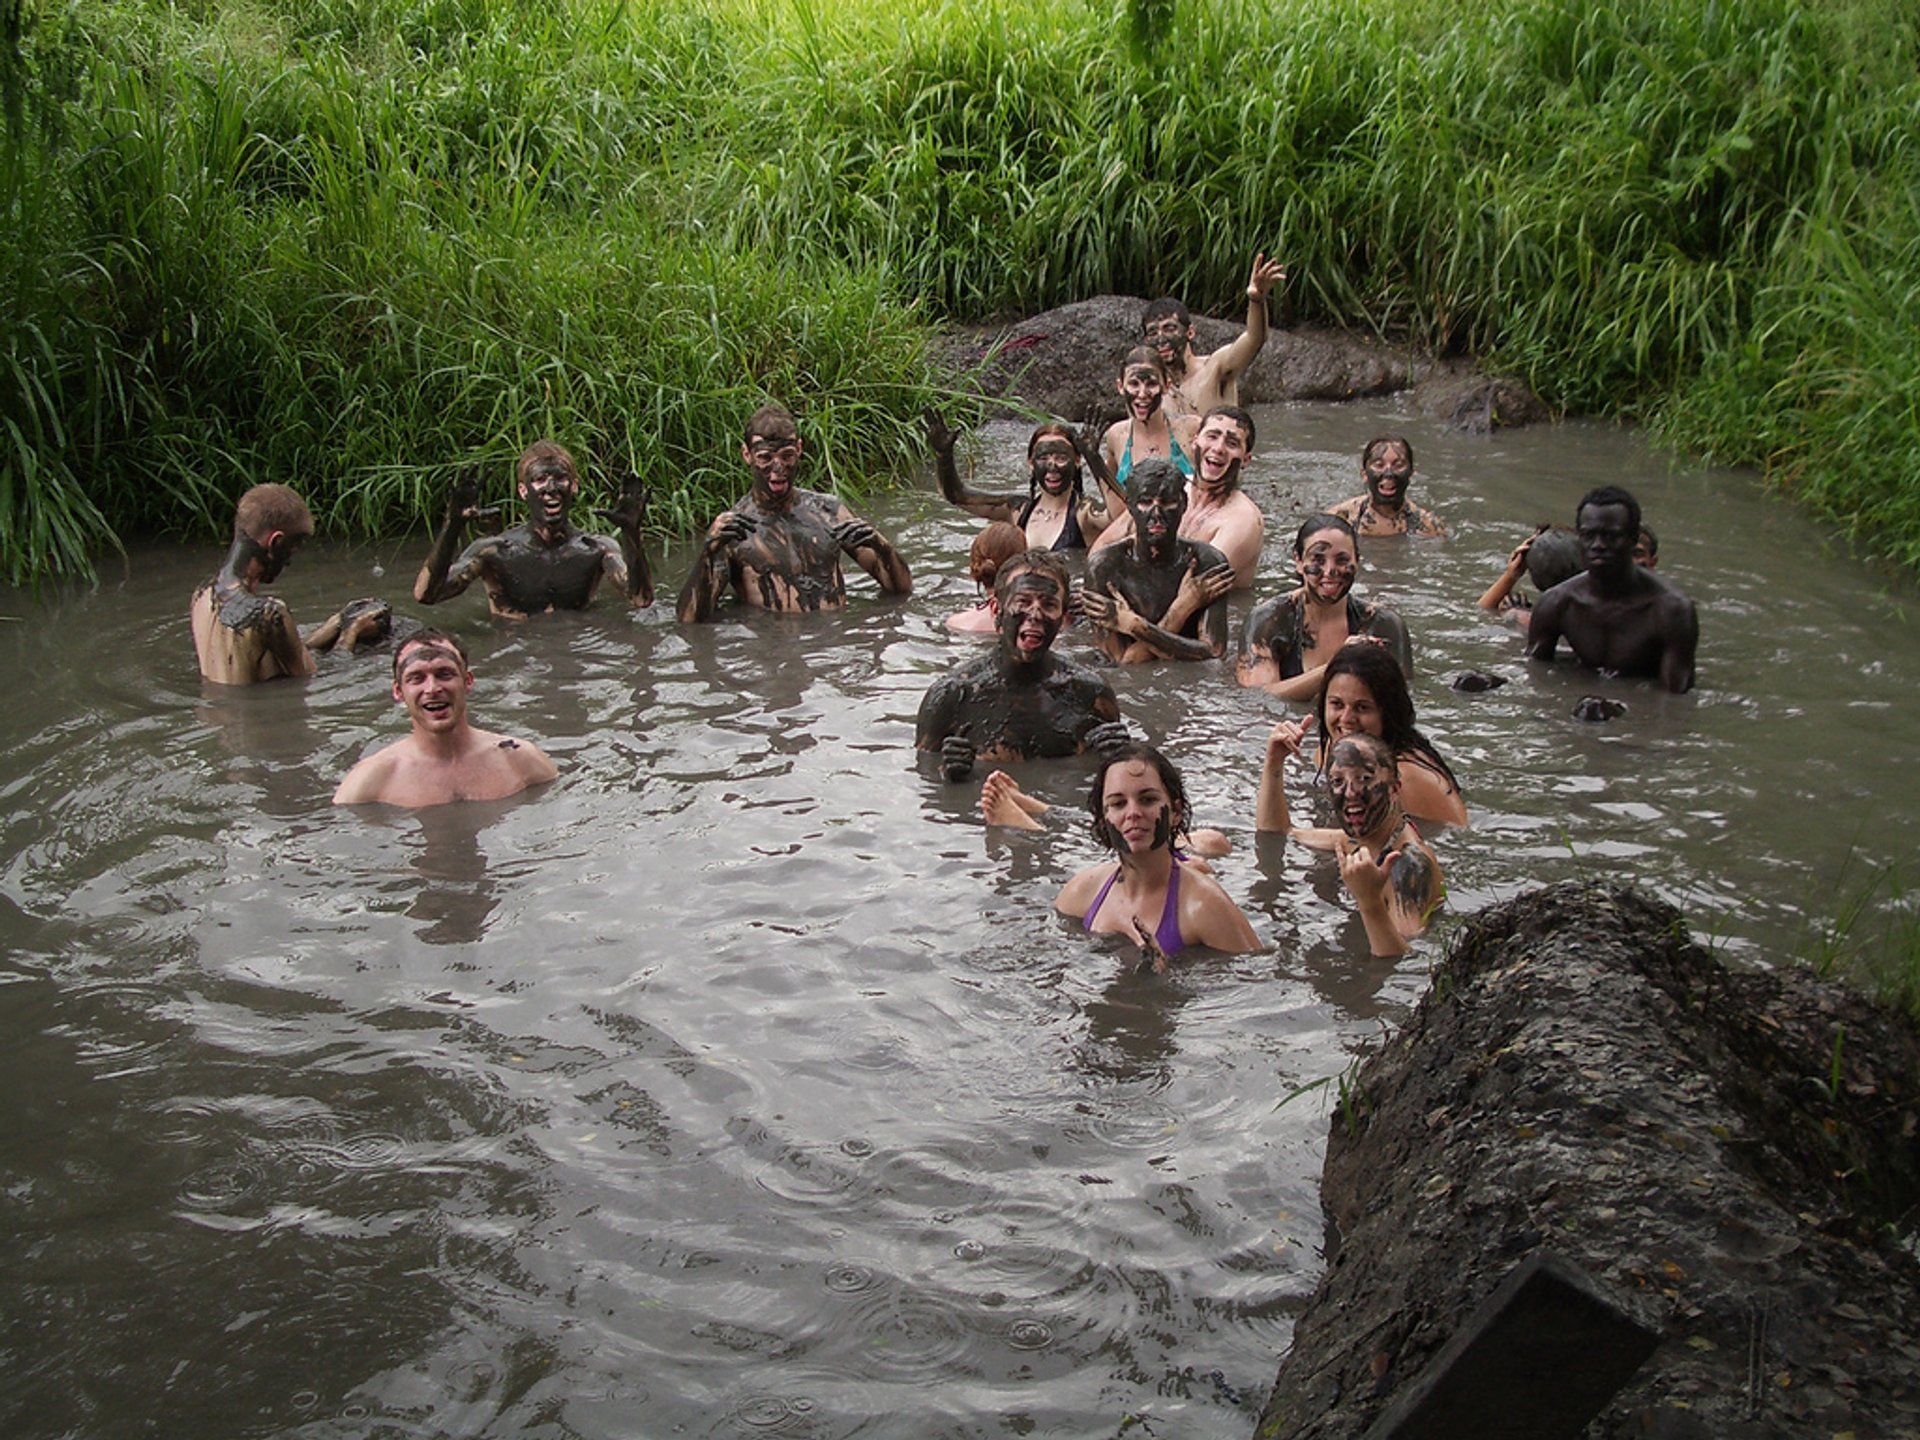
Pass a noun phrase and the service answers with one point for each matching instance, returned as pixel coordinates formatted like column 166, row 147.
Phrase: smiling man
column 1021, row 702
column 545, row 563
column 1387, row 466
column 1198, row 383
column 445, row 758
column 1218, row 511
column 1159, row 597
column 1620, row 617
column 780, row 547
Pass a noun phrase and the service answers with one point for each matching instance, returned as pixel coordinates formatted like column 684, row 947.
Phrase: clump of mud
column 1733, row 1155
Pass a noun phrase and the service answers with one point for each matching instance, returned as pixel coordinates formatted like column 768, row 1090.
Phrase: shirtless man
column 1387, row 464
column 1218, row 510
column 1022, row 701
column 1198, row 383
column 241, row 635
column 1619, row 618
column 544, row 564
column 1392, row 875
column 1159, row 597
column 445, row 758
column 780, row 547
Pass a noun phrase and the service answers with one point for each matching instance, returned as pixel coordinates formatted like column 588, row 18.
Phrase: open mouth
column 1031, row 638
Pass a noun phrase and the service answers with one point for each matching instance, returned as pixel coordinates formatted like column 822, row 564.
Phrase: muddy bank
column 1063, row 362
column 1731, row 1157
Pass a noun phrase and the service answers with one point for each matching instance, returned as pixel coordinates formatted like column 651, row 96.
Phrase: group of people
column 1168, row 535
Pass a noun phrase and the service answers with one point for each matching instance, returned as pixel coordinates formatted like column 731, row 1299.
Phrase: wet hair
column 1611, row 495
column 1047, row 562
column 1143, row 355
column 267, row 508
column 1235, row 414
column 433, row 640
column 1374, row 667
column 1182, row 815
column 1054, row 428
column 1314, row 524
column 541, row 455
column 1380, row 442
column 1375, row 747
column 1553, row 557
column 1651, row 541
column 992, row 548
column 1157, row 474
column 771, row 422
column 1163, row 307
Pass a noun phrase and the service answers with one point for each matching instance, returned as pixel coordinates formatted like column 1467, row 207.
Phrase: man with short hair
column 1218, row 510
column 1618, row 617
column 544, row 563
column 779, row 548
column 445, row 758
column 240, row 635
column 1022, row 701
column 1197, row 383
column 1160, row 596
column 1387, row 464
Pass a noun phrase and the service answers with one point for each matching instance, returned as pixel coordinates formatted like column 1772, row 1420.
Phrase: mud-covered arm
column 356, row 623
column 941, row 441
column 626, row 564
column 1112, row 502
column 441, row 576
column 1232, row 359
column 712, row 570
column 872, row 552
column 1151, row 640
column 940, row 729
column 1546, row 627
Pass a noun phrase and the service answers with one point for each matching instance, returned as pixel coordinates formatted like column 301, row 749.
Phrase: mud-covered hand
column 629, row 513
column 854, row 535
column 940, row 439
column 365, row 621
column 1097, row 606
column 1201, row 588
column 1364, row 876
column 463, row 499
column 1152, row 957
column 956, row 755
column 728, row 531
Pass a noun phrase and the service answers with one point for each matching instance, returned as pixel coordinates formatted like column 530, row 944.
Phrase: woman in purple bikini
column 1138, row 804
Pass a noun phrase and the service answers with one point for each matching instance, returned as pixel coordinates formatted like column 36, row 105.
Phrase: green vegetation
column 357, row 243
column 1865, row 929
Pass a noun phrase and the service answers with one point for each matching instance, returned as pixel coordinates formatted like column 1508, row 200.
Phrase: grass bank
column 356, row 243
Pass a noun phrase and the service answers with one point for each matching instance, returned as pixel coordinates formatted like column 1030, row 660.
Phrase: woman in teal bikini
column 1147, row 433
column 1137, row 805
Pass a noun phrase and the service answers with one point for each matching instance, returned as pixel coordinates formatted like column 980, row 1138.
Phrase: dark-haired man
column 445, row 758
column 1619, row 617
column 1218, row 510
column 779, row 548
column 544, row 563
column 1159, row 596
column 1387, row 466
column 240, row 635
column 1022, row 701
column 1197, row 383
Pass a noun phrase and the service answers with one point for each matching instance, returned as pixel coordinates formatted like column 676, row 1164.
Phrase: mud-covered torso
column 1012, row 714
column 527, row 575
column 237, row 634
column 791, row 561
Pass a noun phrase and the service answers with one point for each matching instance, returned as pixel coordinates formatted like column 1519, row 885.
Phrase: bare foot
column 1002, row 802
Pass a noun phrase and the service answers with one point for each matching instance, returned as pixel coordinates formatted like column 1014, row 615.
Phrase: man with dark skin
column 1619, row 617
column 1022, row 701
column 1387, row 465
column 544, row 564
column 1160, row 596
column 240, row 635
column 780, row 547
column 1197, row 383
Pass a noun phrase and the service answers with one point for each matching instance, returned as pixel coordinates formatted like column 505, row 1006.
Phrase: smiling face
column 1328, row 564
column 1029, row 609
column 1388, row 468
column 1159, row 501
column 1055, row 464
column 1145, row 387
column 1349, row 708
column 1168, row 335
column 1364, row 785
column 431, row 682
column 1222, row 447
column 772, row 453
column 548, row 486
column 1136, row 808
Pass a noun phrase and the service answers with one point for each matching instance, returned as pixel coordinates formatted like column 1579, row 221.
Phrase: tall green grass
column 353, row 243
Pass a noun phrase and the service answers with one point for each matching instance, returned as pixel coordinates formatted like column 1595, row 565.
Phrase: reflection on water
column 738, row 1083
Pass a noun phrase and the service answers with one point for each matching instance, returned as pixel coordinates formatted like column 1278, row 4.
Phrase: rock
column 1473, row 682
column 1597, row 708
column 1728, row 1152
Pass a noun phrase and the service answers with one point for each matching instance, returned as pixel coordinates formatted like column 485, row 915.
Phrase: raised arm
column 712, row 569
column 440, row 577
column 941, row 441
column 1112, row 506
column 625, row 564
column 1229, row 361
column 1497, row 593
column 872, row 552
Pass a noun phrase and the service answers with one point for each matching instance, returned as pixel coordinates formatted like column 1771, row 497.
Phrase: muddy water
column 740, row 1084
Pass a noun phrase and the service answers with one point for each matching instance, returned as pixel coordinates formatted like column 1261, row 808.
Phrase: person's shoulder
column 363, row 784
column 1272, row 609
column 1350, row 509
column 1208, row 555
column 523, row 757
column 1076, row 896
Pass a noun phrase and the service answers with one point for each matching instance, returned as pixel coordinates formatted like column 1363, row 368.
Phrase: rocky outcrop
column 1063, row 362
column 1730, row 1156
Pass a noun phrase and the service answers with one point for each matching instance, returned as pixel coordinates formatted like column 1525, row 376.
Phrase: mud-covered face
column 1362, row 787
column 1168, row 337
column 1156, row 510
column 1328, row 565
column 1389, row 471
column 1136, row 809
column 1054, row 466
column 433, row 685
column 548, row 489
column 1222, row 449
column 1145, row 387
column 1607, row 537
column 1030, row 615
column 1350, row 709
column 774, row 461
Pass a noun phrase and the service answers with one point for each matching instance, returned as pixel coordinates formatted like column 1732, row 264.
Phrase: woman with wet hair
column 1290, row 638
column 1136, row 805
column 1363, row 691
column 1148, row 432
column 992, row 548
column 1055, row 513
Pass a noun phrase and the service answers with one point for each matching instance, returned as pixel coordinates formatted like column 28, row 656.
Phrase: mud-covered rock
column 1064, row 362
column 1732, row 1154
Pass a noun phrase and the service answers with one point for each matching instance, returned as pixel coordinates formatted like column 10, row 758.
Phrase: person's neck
column 1319, row 605
column 245, row 565
column 1380, row 839
column 446, row 747
column 549, row 534
column 1026, row 672
column 770, row 503
column 1143, row 872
